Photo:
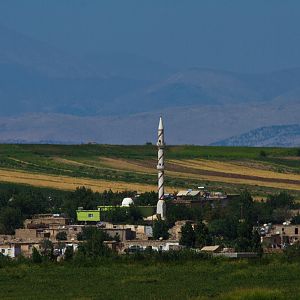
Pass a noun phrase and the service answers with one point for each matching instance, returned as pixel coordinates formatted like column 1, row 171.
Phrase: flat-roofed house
column 11, row 250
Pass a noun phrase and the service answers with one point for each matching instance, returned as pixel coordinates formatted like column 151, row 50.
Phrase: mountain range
column 279, row 136
column 47, row 95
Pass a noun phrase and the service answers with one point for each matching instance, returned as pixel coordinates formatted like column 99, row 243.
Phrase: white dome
column 127, row 202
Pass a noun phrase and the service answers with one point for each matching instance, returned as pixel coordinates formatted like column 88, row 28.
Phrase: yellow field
column 232, row 168
column 69, row 183
column 245, row 173
column 189, row 166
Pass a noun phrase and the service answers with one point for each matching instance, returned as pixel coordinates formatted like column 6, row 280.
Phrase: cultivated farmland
column 103, row 167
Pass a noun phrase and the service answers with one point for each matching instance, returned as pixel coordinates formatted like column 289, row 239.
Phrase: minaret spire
column 161, row 205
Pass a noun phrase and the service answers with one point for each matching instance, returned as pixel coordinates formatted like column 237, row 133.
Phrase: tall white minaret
column 161, row 205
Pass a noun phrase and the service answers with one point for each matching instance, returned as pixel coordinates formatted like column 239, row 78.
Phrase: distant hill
column 281, row 136
column 36, row 77
column 128, row 65
column 49, row 95
column 199, row 125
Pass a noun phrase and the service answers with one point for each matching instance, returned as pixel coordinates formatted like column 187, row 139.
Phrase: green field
column 133, row 167
column 203, row 279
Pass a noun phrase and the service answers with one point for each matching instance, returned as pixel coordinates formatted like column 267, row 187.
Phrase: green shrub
column 160, row 230
column 61, row 236
column 69, row 253
column 292, row 252
column 263, row 153
column 36, row 256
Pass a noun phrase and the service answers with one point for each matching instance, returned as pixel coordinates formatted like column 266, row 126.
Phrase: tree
column 160, row 230
column 115, row 215
column 292, row 252
column 119, row 215
column 134, row 214
column 256, row 243
column 147, row 198
column 202, row 236
column 61, row 236
column 198, row 236
column 279, row 215
column 296, row 219
column 69, row 253
column 47, row 249
column 188, row 237
column 281, row 200
column 29, row 203
column 111, row 198
column 224, row 229
column 179, row 212
column 248, row 239
column 242, row 208
column 10, row 219
column 36, row 256
column 244, row 238
column 93, row 245
column 263, row 153
column 82, row 197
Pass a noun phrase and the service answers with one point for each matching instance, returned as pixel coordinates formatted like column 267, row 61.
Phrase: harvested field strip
column 243, row 181
column 178, row 171
column 239, row 176
column 186, row 170
column 232, row 168
column 69, row 183
column 70, row 162
column 128, row 165
column 109, row 163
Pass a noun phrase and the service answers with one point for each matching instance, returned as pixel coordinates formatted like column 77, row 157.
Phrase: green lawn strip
column 182, row 280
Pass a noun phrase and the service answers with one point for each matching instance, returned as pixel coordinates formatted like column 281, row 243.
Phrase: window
column 282, row 229
column 90, row 215
column 296, row 230
column 3, row 250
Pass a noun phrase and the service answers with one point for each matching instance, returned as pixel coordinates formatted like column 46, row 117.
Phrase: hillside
column 103, row 167
column 275, row 136
column 189, row 125
column 49, row 95
column 36, row 77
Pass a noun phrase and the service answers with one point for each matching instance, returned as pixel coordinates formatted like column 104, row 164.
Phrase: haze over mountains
column 47, row 95
column 279, row 136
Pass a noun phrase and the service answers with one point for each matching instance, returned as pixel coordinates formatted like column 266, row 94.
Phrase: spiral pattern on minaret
column 161, row 163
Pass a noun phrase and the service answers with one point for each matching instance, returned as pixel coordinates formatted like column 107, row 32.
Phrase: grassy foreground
column 207, row 279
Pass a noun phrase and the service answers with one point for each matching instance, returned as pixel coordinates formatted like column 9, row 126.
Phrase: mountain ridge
column 37, row 79
column 270, row 136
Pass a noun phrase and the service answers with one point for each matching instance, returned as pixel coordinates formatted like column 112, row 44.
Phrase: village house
column 198, row 198
column 280, row 235
column 11, row 250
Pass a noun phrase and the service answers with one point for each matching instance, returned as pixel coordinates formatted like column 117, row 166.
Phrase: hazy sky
column 247, row 36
